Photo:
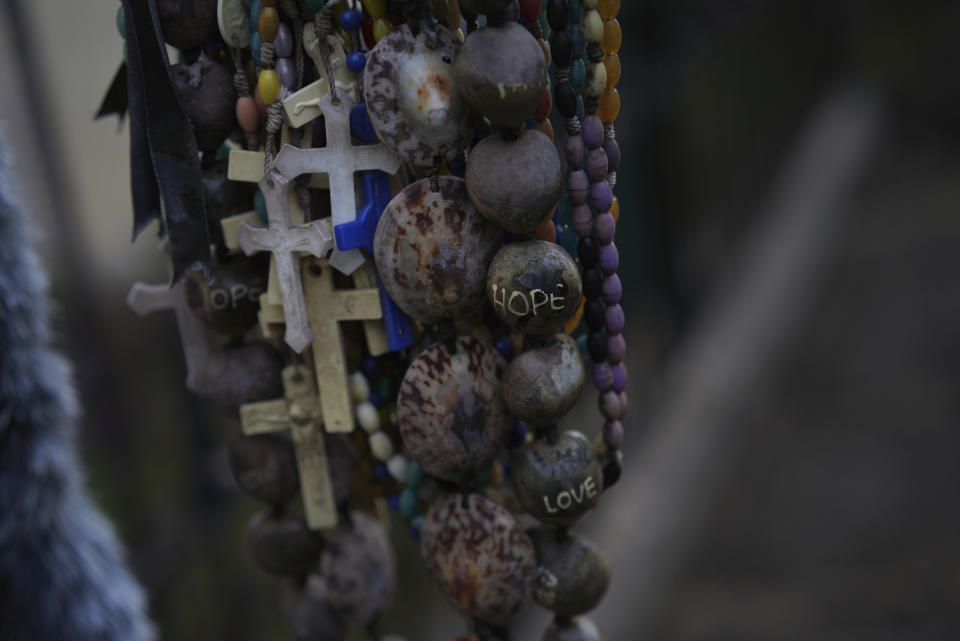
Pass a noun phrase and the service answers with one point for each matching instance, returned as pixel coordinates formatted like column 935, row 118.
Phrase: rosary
column 367, row 222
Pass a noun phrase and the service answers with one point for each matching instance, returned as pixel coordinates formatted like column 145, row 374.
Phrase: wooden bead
column 268, row 23
column 572, row 574
column 596, row 80
column 592, row 25
column 283, row 545
column 545, row 127
column 381, row 27
column 612, row 63
column 608, row 9
column 542, row 384
column 609, row 106
column 268, row 84
column 612, row 37
column 247, row 115
column 542, row 111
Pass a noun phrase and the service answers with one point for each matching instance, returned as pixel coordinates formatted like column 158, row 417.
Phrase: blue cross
column 359, row 235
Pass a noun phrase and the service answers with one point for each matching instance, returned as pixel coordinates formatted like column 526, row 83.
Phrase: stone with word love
column 534, row 286
column 544, row 383
column 557, row 477
column 572, row 572
column 229, row 303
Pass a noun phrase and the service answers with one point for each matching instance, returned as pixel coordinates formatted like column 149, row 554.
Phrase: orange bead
column 247, row 114
column 574, row 321
column 544, row 127
column 546, row 50
column 612, row 63
column 608, row 9
column 546, row 230
column 615, row 209
column 268, row 24
column 612, row 37
column 609, row 106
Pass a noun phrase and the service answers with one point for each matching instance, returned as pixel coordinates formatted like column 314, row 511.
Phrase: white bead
column 359, row 387
column 592, row 25
column 397, row 466
column 381, row 446
column 368, row 417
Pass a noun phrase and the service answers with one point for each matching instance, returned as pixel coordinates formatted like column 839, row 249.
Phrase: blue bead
column 360, row 125
column 260, row 204
column 408, row 502
column 350, row 19
column 356, row 61
column 393, row 502
column 506, row 470
column 376, row 400
column 414, row 533
column 255, row 44
column 247, row 2
column 505, row 347
column 371, row 365
column 380, row 471
column 580, row 108
column 578, row 75
column 255, row 8
column 414, row 474
column 518, row 434
column 574, row 12
column 559, row 232
column 457, row 166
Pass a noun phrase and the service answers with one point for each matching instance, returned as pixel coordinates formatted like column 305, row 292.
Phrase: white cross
column 284, row 240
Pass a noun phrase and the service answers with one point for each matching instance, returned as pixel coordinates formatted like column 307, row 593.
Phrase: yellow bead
column 609, row 9
column 381, row 27
column 612, row 37
column 592, row 25
column 609, row 106
column 268, row 24
column 615, row 209
column 376, row 8
column 269, row 85
column 612, row 63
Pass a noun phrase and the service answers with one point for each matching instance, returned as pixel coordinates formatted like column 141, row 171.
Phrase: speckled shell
column 433, row 249
column 557, row 482
column 206, row 91
column 542, row 384
column 309, row 613
column 264, row 467
column 572, row 630
column 534, row 286
column 502, row 74
column 411, row 98
column 572, row 574
column 515, row 184
column 359, row 568
column 478, row 555
column 452, row 418
column 282, row 545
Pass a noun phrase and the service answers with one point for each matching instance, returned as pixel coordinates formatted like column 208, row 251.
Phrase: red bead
column 366, row 28
column 543, row 109
column 530, row 9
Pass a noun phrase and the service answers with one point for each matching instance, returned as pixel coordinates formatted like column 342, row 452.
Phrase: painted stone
column 517, row 183
column 451, row 416
column 502, row 74
column 243, row 374
column 309, row 613
column 432, row 251
column 264, row 466
column 544, row 383
column 557, row 477
column 206, row 91
column 572, row 573
column 534, row 286
column 410, row 94
column 572, row 630
column 478, row 555
column 187, row 24
column 359, row 568
column 230, row 302
column 282, row 545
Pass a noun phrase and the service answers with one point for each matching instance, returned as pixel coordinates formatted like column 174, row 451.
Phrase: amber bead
column 546, row 104
column 612, row 37
column 609, row 106
column 544, row 127
column 608, row 9
column 378, row 8
column 574, row 321
column 612, row 63
column 381, row 27
column 269, row 85
column 546, row 50
column 615, row 209
column 546, row 230
column 268, row 24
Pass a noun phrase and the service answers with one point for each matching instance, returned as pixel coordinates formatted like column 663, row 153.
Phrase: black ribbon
column 164, row 162
column 115, row 100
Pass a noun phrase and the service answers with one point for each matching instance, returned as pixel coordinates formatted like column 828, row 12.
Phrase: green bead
column 483, row 476
column 385, row 389
column 122, row 22
column 582, row 343
column 414, row 474
column 408, row 502
column 578, row 75
column 223, row 153
column 260, row 204
column 417, row 521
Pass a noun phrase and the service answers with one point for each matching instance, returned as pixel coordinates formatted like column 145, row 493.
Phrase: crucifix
column 300, row 412
column 285, row 241
column 327, row 308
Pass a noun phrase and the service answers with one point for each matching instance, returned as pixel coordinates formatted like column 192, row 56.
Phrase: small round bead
column 602, row 377
column 596, row 80
column 588, row 251
column 381, row 446
column 381, row 27
column 616, row 349
column 592, row 282
column 546, row 104
column 609, row 259
column 247, row 115
column 350, row 19
column 414, row 474
column 566, row 98
column 612, row 37
column 612, row 289
column 613, row 435
column 573, row 150
column 601, row 196
column 359, row 387
column 612, row 148
column 614, row 319
column 397, row 466
column 609, row 107
column 283, row 43
column 595, row 316
column 360, row 125
column 605, row 228
column 612, row 63
column 608, row 9
column 592, row 25
column 557, row 14
column 268, row 24
column 561, row 49
column 578, row 186
column 287, row 73
column 597, row 346
column 592, row 132
column 268, row 83
column 619, row 377
column 597, row 166
column 356, row 61
column 609, row 404
column 368, row 417
column 582, row 220
column 530, row 9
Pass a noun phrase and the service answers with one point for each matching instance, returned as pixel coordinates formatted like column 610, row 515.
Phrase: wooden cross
column 284, row 241
column 300, row 411
column 326, row 309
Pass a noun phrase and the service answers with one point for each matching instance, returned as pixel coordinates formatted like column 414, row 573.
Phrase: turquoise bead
column 255, row 8
column 223, row 152
column 580, row 108
column 582, row 343
column 578, row 42
column 568, row 239
column 566, row 207
column 578, row 75
column 574, row 12
column 414, row 474
column 260, row 204
column 408, row 502
column 255, row 43
column 417, row 522
column 545, row 24
column 385, row 389
column 122, row 22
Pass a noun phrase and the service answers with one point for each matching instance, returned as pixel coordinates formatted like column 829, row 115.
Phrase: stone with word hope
column 452, row 418
column 432, row 251
column 264, row 467
column 282, row 545
column 563, row 629
column 229, row 303
column 557, row 477
column 544, row 383
column 242, row 374
column 572, row 573
column 534, row 286
column 481, row 559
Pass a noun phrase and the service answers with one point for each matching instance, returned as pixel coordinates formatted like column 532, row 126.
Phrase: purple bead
column 616, row 349
column 609, row 259
column 611, row 288
column 605, row 227
column 609, row 403
column 613, row 435
column 283, row 43
column 623, row 405
column 603, row 376
column 615, row 320
column 578, row 185
column 601, row 196
column 287, row 73
column 574, row 149
column 619, row 377
column 582, row 219
column 592, row 132
column 597, row 164
column 612, row 147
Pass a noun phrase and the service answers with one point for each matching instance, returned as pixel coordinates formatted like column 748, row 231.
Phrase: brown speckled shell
column 359, row 569
column 433, row 249
column 478, row 555
column 405, row 75
column 452, row 418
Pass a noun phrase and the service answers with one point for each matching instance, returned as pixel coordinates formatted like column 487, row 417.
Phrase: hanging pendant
column 572, row 572
column 542, row 384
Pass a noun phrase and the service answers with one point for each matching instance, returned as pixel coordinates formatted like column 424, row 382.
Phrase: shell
column 233, row 18
column 573, row 574
column 432, row 251
column 478, row 555
column 451, row 416
column 542, row 384
column 409, row 89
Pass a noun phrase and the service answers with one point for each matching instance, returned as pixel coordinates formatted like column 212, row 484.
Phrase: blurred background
column 790, row 231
